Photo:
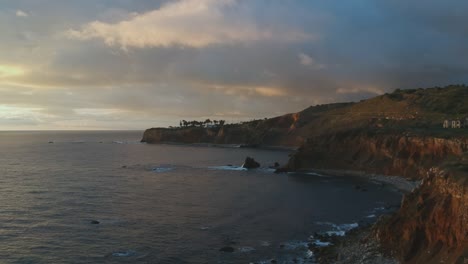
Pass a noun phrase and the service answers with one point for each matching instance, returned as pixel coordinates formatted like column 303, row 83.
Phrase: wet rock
column 95, row 222
column 227, row 249
column 124, row 167
column 276, row 165
column 250, row 163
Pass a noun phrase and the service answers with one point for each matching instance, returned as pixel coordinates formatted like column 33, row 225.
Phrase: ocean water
column 164, row 203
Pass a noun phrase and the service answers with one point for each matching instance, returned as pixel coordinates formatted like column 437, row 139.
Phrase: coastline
column 400, row 183
column 213, row 145
column 359, row 245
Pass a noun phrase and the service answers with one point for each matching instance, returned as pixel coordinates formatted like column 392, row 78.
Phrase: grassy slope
column 419, row 111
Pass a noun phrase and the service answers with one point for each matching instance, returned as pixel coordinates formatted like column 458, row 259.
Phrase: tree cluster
column 206, row 123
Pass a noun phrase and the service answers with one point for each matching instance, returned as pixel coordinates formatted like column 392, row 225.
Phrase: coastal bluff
column 395, row 134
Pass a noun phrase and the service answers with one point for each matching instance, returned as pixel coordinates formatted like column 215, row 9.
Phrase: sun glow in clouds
column 9, row 71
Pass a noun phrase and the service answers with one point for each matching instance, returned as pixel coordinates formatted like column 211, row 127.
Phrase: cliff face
column 432, row 223
column 408, row 156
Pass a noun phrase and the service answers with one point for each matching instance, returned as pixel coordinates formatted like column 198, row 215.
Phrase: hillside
column 418, row 111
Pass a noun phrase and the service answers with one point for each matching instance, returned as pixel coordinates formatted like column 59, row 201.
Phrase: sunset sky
column 133, row 64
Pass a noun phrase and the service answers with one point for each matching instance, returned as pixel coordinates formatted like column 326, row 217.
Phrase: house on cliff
column 456, row 123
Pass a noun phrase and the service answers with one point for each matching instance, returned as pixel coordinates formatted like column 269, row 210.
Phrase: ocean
column 104, row 197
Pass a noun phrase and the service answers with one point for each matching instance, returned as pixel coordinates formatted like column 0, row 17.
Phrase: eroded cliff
column 432, row 223
column 408, row 155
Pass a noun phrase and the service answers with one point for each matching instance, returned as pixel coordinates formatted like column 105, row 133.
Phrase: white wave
column 162, row 169
column 126, row 142
column 371, row 216
column 246, row 249
column 293, row 245
column 347, row 227
column 228, row 168
column 265, row 243
column 319, row 243
column 335, row 233
column 338, row 230
column 124, row 253
column 317, row 174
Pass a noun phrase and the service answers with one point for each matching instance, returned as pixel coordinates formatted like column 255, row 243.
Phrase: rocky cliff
column 432, row 223
column 407, row 155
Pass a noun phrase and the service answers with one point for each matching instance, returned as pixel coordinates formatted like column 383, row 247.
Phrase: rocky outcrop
column 389, row 154
column 432, row 223
column 250, row 163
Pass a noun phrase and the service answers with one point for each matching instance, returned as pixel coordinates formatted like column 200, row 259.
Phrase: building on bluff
column 456, row 123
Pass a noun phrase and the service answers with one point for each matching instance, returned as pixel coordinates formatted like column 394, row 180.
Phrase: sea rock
column 250, row 163
column 95, row 222
column 227, row 249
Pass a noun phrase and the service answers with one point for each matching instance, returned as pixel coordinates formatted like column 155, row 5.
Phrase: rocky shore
column 359, row 246
column 400, row 183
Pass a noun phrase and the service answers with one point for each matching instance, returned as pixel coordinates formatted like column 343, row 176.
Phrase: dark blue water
column 161, row 203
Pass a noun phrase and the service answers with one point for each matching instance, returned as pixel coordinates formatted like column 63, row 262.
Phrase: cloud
column 192, row 23
column 232, row 58
column 305, row 59
column 249, row 91
column 20, row 13
column 10, row 71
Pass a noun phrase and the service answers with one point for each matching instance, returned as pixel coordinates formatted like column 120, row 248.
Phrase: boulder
column 250, row 163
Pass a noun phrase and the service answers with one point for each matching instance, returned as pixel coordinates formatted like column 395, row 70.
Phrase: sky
column 135, row 64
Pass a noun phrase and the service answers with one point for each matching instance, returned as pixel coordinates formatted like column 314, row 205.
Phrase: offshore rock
column 250, row 163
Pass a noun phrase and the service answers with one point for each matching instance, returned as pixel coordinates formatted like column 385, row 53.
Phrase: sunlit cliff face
column 99, row 64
